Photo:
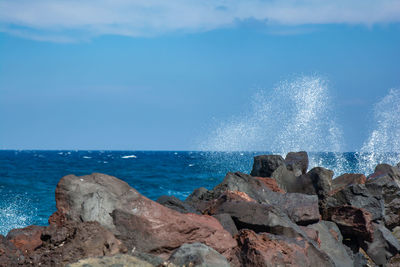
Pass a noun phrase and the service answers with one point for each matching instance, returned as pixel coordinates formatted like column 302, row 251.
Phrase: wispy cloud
column 71, row 20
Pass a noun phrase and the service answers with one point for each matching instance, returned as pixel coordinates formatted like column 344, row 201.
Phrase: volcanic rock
column 271, row 184
column 344, row 180
column 197, row 254
column 26, row 239
column 226, row 221
column 321, row 179
column 383, row 245
column 352, row 221
column 267, row 250
column 286, row 179
column 297, row 162
column 176, row 204
column 116, row 260
column 265, row 165
column 387, row 186
column 74, row 241
column 137, row 221
column 331, row 243
column 9, row 254
column 358, row 195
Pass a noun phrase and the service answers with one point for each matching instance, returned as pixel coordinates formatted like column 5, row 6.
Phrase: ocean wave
column 129, row 157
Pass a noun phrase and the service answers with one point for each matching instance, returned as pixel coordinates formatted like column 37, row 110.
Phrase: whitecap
column 129, row 157
column 86, row 157
column 191, row 165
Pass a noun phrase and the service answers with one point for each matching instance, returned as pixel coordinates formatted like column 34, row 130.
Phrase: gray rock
column 226, row 221
column 265, row 165
column 197, row 254
column 286, row 179
column 383, row 247
column 321, row 179
column 387, row 187
column 120, row 260
column 331, row 243
column 297, row 162
column 176, row 204
column 358, row 195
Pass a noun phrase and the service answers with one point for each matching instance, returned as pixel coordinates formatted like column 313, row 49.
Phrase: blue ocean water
column 28, row 178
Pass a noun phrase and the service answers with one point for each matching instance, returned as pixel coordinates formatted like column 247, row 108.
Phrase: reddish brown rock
column 138, row 221
column 345, row 180
column 26, row 239
column 73, row 241
column 312, row 234
column 352, row 221
column 271, row 184
column 269, row 250
column 9, row 254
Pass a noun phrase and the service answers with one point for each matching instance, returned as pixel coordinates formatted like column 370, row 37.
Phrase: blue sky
column 160, row 75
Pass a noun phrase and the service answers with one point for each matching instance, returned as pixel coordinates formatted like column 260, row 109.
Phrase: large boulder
column 297, row 162
column 197, row 254
column 358, row 195
column 74, row 241
column 136, row 220
column 344, row 180
column 383, row 245
column 265, row 165
column 286, row 179
column 354, row 223
column 269, row 250
column 386, row 185
column 321, row 179
column 331, row 243
column 26, row 239
column 226, row 221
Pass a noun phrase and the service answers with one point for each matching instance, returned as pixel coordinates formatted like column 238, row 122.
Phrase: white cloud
column 68, row 20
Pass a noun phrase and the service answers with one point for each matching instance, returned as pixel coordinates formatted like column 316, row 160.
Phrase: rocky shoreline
column 279, row 215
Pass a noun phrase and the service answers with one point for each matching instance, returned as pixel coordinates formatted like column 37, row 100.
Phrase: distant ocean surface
column 28, row 178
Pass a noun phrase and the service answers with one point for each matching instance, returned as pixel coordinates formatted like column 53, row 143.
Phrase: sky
column 160, row 75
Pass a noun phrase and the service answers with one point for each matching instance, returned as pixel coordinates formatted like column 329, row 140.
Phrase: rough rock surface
column 297, row 162
column 331, row 243
column 176, row 204
column 264, row 249
column 352, row 221
column 383, row 245
column 265, row 165
column 358, row 195
column 197, row 254
column 9, row 254
column 74, row 241
column 136, row 220
column 226, row 221
column 26, row 239
column 387, row 186
column 271, row 184
column 347, row 179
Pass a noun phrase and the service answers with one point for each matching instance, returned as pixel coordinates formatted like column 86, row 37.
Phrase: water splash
column 295, row 115
column 383, row 144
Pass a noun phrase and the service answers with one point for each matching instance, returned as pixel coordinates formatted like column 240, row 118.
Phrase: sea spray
column 295, row 115
column 383, row 143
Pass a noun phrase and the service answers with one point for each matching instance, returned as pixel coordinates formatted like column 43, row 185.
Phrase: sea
column 28, row 178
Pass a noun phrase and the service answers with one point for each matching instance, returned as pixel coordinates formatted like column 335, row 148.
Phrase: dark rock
column 331, row 243
column 265, row 249
column 297, row 162
column 74, row 241
column 136, row 220
column 394, row 261
column 344, row 180
column 386, row 169
column 353, row 222
column 357, row 195
column 387, row 187
column 9, row 254
column 265, row 165
column 383, row 245
column 286, row 179
column 26, row 239
column 176, row 204
column 197, row 254
column 226, row 221
column 322, row 180
column 271, row 184
column 199, row 198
